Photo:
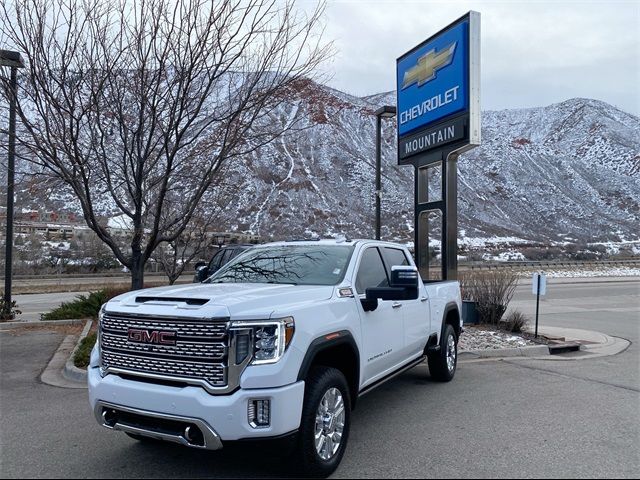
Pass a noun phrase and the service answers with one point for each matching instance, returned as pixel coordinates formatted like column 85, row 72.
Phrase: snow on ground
column 588, row 273
column 477, row 242
column 477, row 338
column 57, row 244
column 509, row 256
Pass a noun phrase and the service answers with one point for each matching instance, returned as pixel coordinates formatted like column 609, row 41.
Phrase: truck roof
column 331, row 241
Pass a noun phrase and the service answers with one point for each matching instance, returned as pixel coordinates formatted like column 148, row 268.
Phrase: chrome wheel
column 330, row 420
column 451, row 353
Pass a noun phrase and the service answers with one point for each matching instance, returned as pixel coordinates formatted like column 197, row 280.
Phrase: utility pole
column 387, row 111
column 14, row 61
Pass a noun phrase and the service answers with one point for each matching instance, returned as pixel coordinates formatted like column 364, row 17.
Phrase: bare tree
column 193, row 243
column 136, row 104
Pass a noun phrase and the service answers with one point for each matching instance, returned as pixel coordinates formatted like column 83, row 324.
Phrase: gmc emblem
column 155, row 337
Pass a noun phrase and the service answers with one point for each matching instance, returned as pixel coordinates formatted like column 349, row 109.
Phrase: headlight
column 270, row 338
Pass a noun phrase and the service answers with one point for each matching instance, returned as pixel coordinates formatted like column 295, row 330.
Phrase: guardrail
column 461, row 265
column 549, row 264
column 89, row 275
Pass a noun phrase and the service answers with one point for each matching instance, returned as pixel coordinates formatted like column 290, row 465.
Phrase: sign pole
column 438, row 112
column 378, row 174
column 537, row 302
column 450, row 237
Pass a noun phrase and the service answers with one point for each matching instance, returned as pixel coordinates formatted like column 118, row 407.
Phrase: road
column 34, row 305
column 73, row 283
column 516, row 418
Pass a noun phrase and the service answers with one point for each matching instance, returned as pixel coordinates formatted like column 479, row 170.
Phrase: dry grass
column 515, row 322
column 74, row 329
column 491, row 291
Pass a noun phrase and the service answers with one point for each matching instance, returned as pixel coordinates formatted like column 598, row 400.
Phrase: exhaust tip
column 194, row 435
column 109, row 417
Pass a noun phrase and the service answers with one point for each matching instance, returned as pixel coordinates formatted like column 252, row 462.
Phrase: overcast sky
column 534, row 53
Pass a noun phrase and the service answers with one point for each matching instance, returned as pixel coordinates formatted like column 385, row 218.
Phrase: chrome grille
column 199, row 356
column 200, row 351
column 212, row 373
column 186, row 328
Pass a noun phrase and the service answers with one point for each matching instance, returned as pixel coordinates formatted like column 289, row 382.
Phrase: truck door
column 415, row 313
column 382, row 329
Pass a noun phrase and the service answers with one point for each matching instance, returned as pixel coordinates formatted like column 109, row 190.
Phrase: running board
column 391, row 376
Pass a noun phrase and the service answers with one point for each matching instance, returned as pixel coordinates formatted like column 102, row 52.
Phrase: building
column 48, row 225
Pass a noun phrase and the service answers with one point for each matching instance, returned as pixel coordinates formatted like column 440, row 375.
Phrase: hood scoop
column 188, row 301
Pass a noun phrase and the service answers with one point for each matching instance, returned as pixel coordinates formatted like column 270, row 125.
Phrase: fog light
column 259, row 413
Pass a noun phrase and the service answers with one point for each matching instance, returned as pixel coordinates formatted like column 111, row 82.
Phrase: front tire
column 443, row 364
column 326, row 419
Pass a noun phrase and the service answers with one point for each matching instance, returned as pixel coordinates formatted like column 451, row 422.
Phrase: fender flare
column 326, row 342
column 451, row 306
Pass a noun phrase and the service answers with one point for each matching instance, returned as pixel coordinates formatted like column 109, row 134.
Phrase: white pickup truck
column 279, row 343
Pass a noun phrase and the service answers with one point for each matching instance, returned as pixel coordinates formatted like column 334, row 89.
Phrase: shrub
column 491, row 291
column 83, row 354
column 12, row 310
column 536, row 254
column 515, row 322
column 85, row 306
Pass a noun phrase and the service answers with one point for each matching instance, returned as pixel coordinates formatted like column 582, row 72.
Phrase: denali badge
column 156, row 337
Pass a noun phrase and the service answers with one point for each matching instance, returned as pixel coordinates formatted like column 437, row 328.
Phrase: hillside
column 568, row 172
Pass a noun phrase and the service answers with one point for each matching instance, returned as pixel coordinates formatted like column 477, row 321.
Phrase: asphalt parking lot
column 515, row 418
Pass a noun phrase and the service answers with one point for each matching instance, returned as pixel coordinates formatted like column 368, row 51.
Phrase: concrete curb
column 592, row 345
column 61, row 372
column 533, row 351
column 52, row 374
column 40, row 323
column 70, row 371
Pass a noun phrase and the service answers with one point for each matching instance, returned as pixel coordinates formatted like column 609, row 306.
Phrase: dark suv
column 221, row 257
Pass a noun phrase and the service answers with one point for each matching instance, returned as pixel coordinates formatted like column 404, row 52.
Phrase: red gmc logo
column 156, row 337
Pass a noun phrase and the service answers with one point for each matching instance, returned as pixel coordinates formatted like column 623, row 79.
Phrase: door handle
column 423, row 299
column 396, row 305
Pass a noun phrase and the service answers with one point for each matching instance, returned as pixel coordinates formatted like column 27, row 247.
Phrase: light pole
column 14, row 61
column 386, row 111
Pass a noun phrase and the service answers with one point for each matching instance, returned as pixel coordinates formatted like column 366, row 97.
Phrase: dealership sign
column 438, row 91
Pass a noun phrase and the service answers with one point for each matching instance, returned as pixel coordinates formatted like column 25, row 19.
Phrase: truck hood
column 236, row 300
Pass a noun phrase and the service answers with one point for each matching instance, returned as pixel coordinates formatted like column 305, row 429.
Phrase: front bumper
column 190, row 432
column 222, row 416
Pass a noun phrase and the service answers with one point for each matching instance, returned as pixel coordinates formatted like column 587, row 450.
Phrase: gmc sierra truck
column 279, row 343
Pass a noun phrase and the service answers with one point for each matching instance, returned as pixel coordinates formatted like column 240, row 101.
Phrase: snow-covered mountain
column 566, row 172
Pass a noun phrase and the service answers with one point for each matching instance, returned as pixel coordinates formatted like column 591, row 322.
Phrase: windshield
column 294, row 264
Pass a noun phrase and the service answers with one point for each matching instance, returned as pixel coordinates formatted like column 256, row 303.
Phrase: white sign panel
column 543, row 283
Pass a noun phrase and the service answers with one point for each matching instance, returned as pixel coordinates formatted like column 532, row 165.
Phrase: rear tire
column 326, row 418
column 443, row 364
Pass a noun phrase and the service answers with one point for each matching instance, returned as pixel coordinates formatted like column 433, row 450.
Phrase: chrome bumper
column 190, row 432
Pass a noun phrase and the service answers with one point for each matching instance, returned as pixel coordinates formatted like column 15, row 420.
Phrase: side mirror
column 405, row 283
column 202, row 272
column 406, row 277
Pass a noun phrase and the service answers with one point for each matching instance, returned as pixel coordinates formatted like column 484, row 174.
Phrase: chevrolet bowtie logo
column 427, row 66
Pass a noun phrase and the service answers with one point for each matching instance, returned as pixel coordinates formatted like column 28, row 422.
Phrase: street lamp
column 386, row 111
column 14, row 61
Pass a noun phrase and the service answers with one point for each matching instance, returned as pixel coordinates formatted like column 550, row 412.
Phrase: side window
column 215, row 261
column 393, row 257
column 237, row 252
column 371, row 272
column 228, row 255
